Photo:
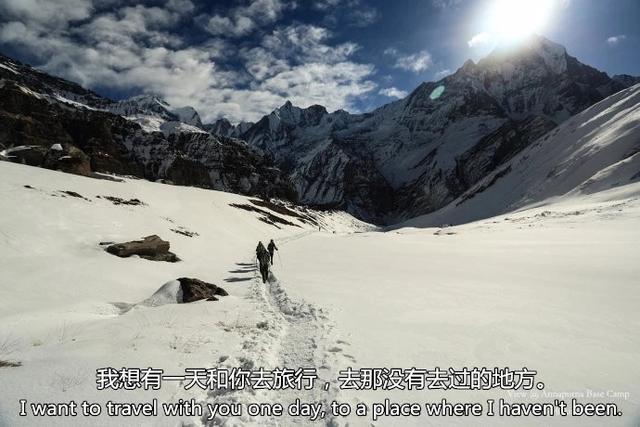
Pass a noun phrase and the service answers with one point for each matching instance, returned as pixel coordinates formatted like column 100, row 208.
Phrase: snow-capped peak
column 149, row 100
column 292, row 115
column 408, row 153
column 148, row 107
column 188, row 115
column 552, row 54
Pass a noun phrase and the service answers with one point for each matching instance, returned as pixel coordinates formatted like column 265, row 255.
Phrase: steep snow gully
column 293, row 334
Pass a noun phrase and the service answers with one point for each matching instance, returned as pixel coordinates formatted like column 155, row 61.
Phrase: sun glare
column 511, row 20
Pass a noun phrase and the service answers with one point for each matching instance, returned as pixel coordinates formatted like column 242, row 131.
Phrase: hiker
column 272, row 247
column 263, row 258
column 259, row 249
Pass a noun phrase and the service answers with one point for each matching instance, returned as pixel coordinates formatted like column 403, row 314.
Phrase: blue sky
column 240, row 59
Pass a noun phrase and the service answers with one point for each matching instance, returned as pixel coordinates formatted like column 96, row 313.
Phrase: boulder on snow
column 196, row 290
column 67, row 158
column 151, row 247
column 180, row 291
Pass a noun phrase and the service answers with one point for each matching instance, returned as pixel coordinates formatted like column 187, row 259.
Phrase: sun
column 512, row 20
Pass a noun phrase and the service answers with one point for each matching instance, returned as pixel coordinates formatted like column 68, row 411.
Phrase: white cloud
column 138, row 49
column 363, row 16
column 443, row 4
column 299, row 64
column 354, row 13
column 307, row 43
column 614, row 40
column 184, row 6
column 326, row 4
column 393, row 92
column 243, row 20
column 442, row 74
column 45, row 14
column 332, row 85
column 416, row 62
column 479, row 39
column 391, row 51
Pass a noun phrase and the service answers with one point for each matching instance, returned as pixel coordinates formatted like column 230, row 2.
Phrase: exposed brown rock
column 196, row 290
column 70, row 160
column 151, row 247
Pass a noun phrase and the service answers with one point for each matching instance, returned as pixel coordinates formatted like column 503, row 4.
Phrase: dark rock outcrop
column 151, row 247
column 196, row 290
column 66, row 158
column 31, row 155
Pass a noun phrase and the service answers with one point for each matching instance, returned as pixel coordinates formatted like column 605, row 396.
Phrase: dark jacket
column 261, row 253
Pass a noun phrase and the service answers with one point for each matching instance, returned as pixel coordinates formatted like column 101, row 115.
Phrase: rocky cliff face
column 417, row 154
column 49, row 122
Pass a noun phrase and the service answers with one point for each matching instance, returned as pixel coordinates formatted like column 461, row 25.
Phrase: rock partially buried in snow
column 196, row 290
column 182, row 291
column 151, row 247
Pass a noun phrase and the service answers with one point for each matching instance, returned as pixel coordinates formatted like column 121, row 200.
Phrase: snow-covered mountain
column 224, row 127
column 595, row 150
column 154, row 114
column 417, row 154
column 47, row 121
column 552, row 287
column 405, row 159
column 53, row 88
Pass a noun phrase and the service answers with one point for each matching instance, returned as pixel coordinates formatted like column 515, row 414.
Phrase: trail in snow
column 294, row 334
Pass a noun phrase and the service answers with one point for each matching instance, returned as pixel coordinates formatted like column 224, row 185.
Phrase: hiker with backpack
column 264, row 259
column 271, row 247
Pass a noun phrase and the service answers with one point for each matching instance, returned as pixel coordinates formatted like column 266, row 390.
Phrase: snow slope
column 594, row 150
column 56, row 316
column 554, row 289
